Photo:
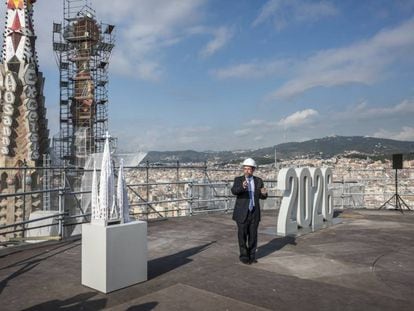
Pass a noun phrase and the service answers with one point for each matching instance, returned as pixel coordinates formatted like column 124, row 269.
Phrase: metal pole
column 24, row 196
column 178, row 190
column 384, row 173
column 62, row 201
column 396, row 189
column 60, row 221
column 190, row 197
column 227, row 197
column 206, row 180
column 147, row 182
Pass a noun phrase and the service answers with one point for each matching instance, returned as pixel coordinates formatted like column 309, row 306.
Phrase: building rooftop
column 365, row 262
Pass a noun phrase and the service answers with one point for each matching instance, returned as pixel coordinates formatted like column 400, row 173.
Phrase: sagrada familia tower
column 23, row 125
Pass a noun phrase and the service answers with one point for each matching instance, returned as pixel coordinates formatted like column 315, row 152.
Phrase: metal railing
column 163, row 195
column 370, row 188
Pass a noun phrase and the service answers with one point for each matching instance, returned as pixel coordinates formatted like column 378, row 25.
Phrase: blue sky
column 241, row 74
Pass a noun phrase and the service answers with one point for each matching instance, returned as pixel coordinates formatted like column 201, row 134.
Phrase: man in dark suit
column 249, row 190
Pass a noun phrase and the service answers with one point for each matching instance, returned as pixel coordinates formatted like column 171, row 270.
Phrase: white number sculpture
column 288, row 182
column 304, row 205
column 317, row 191
column 307, row 199
column 327, row 209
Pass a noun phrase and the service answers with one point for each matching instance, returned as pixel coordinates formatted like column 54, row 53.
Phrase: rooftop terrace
column 364, row 263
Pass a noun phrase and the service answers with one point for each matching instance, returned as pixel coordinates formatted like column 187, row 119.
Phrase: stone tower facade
column 23, row 125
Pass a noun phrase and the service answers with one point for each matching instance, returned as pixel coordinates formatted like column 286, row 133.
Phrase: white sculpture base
column 114, row 256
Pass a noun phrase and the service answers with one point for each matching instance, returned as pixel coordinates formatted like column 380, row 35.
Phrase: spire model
column 122, row 194
column 94, row 196
column 106, row 203
column 106, row 182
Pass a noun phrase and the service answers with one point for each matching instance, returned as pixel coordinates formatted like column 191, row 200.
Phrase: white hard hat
column 249, row 162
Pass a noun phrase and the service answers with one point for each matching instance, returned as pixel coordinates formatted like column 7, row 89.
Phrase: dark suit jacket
column 241, row 207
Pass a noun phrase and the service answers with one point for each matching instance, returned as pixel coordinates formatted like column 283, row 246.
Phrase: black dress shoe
column 245, row 261
column 252, row 261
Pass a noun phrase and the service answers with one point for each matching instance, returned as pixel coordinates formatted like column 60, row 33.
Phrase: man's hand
column 245, row 184
column 263, row 190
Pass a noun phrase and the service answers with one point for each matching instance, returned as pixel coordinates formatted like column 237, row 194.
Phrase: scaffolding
column 83, row 47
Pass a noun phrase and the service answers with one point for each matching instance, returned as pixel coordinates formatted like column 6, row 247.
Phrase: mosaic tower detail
column 23, row 125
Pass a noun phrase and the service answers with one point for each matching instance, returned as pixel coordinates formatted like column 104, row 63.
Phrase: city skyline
column 214, row 75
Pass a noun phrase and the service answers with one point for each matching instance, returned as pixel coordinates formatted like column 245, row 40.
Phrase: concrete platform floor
column 364, row 263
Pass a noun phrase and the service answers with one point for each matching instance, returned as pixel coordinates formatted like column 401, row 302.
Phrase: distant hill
column 327, row 147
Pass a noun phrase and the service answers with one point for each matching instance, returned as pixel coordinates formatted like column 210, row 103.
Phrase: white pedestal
column 114, row 256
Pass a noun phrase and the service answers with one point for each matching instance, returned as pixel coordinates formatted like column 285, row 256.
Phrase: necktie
column 251, row 193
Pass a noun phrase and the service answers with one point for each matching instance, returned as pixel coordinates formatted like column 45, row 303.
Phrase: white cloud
column 145, row 28
column 405, row 133
column 283, row 12
column 253, row 70
column 255, row 122
column 363, row 62
column 256, row 129
column 364, row 111
column 243, row 132
column 222, row 36
column 166, row 137
column 143, row 68
column 405, row 107
column 197, row 130
column 299, row 118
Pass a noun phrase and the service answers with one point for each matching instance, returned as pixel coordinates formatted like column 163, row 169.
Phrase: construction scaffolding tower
column 83, row 47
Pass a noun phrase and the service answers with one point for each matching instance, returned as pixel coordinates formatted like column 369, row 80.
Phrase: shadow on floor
column 78, row 302
column 274, row 245
column 144, row 307
column 159, row 266
column 28, row 264
column 65, row 246
column 26, row 268
column 8, row 251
